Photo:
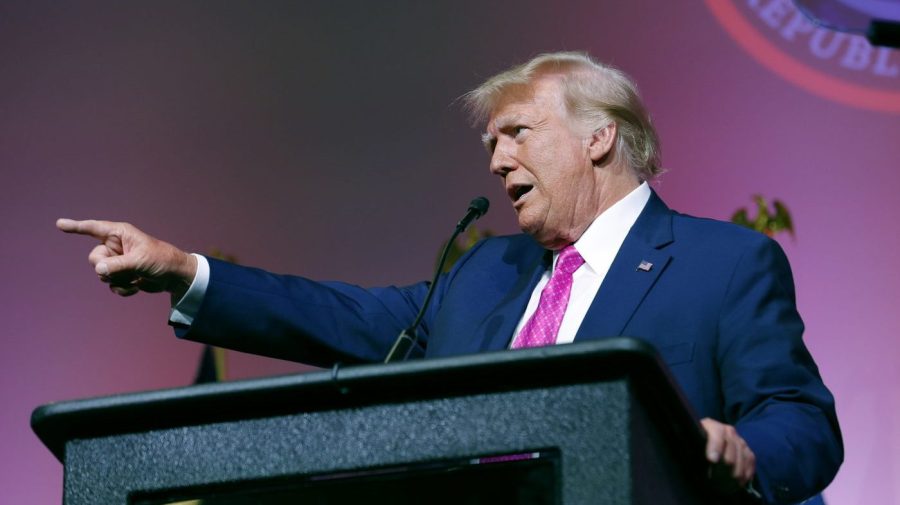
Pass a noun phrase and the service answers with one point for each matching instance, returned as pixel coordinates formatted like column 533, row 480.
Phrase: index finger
column 97, row 229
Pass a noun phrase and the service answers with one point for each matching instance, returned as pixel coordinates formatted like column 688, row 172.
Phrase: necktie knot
column 569, row 260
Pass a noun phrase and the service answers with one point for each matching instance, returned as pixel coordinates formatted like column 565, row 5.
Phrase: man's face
column 544, row 159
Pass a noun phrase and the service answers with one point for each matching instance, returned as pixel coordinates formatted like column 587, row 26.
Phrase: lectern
column 593, row 423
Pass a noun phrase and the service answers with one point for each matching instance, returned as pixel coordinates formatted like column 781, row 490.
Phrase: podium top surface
column 359, row 385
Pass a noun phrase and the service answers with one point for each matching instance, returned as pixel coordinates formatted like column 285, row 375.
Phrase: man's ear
column 602, row 141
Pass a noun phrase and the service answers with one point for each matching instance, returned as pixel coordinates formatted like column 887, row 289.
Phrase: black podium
column 593, row 423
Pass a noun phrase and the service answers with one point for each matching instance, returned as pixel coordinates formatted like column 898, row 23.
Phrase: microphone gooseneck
column 407, row 338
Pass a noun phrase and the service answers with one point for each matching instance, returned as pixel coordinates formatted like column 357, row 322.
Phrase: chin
column 530, row 229
column 552, row 241
column 549, row 239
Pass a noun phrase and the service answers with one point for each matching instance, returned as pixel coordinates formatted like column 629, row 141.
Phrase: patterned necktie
column 543, row 326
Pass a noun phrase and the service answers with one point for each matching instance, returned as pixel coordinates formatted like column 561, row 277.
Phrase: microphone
column 407, row 338
column 477, row 208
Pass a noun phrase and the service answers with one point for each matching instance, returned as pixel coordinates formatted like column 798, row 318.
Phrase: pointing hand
column 129, row 260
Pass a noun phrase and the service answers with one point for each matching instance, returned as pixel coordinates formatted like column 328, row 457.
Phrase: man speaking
column 601, row 255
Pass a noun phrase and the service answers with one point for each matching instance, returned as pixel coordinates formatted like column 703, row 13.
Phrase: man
column 601, row 255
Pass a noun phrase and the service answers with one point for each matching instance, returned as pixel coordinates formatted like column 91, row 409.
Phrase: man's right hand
column 129, row 260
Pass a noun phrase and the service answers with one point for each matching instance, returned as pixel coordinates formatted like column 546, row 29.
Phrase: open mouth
column 518, row 191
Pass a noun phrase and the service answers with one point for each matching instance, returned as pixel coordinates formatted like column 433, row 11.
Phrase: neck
column 613, row 191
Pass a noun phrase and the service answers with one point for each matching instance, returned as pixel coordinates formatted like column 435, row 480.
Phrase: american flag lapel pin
column 645, row 266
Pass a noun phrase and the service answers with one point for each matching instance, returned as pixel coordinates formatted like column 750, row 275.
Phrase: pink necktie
column 543, row 326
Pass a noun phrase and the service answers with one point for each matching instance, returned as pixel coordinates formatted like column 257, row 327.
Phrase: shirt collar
column 600, row 243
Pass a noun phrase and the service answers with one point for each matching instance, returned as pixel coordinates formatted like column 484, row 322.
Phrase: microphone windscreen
column 480, row 205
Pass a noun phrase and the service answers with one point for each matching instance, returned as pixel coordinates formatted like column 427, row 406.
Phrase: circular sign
column 841, row 67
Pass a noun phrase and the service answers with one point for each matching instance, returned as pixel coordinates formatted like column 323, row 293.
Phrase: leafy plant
column 765, row 221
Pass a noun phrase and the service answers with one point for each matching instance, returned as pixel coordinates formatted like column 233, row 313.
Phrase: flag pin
column 645, row 266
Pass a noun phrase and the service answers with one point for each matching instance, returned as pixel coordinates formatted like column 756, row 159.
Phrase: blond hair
column 594, row 93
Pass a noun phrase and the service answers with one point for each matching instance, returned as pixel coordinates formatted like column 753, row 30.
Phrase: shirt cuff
column 187, row 308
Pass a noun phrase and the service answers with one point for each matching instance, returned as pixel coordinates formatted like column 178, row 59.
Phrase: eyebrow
column 500, row 123
column 509, row 119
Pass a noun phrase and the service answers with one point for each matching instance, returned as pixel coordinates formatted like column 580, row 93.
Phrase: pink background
column 322, row 139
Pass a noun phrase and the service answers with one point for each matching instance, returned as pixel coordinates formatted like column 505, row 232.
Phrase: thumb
column 114, row 265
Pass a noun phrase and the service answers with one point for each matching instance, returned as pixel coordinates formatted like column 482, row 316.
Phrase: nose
column 501, row 161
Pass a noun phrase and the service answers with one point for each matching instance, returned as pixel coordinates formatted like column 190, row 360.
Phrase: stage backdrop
column 325, row 139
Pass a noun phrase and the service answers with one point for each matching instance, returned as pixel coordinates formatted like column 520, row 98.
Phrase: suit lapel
column 636, row 268
column 496, row 330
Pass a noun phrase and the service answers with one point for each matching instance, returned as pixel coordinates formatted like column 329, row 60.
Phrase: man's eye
column 520, row 129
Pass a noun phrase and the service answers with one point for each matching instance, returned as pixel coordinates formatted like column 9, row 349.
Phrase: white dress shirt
column 187, row 308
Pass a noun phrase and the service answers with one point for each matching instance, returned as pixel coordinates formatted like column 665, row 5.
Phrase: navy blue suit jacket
column 718, row 303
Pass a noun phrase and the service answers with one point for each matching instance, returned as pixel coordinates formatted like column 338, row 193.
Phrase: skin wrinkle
column 537, row 142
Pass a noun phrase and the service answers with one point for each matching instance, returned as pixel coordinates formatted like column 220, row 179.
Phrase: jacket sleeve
column 294, row 318
column 773, row 393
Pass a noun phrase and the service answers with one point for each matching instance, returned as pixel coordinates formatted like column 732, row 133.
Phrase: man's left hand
column 734, row 462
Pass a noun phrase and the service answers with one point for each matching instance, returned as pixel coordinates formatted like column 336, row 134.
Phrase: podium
column 600, row 422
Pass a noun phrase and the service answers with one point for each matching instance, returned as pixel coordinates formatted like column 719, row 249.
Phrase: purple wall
column 321, row 138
